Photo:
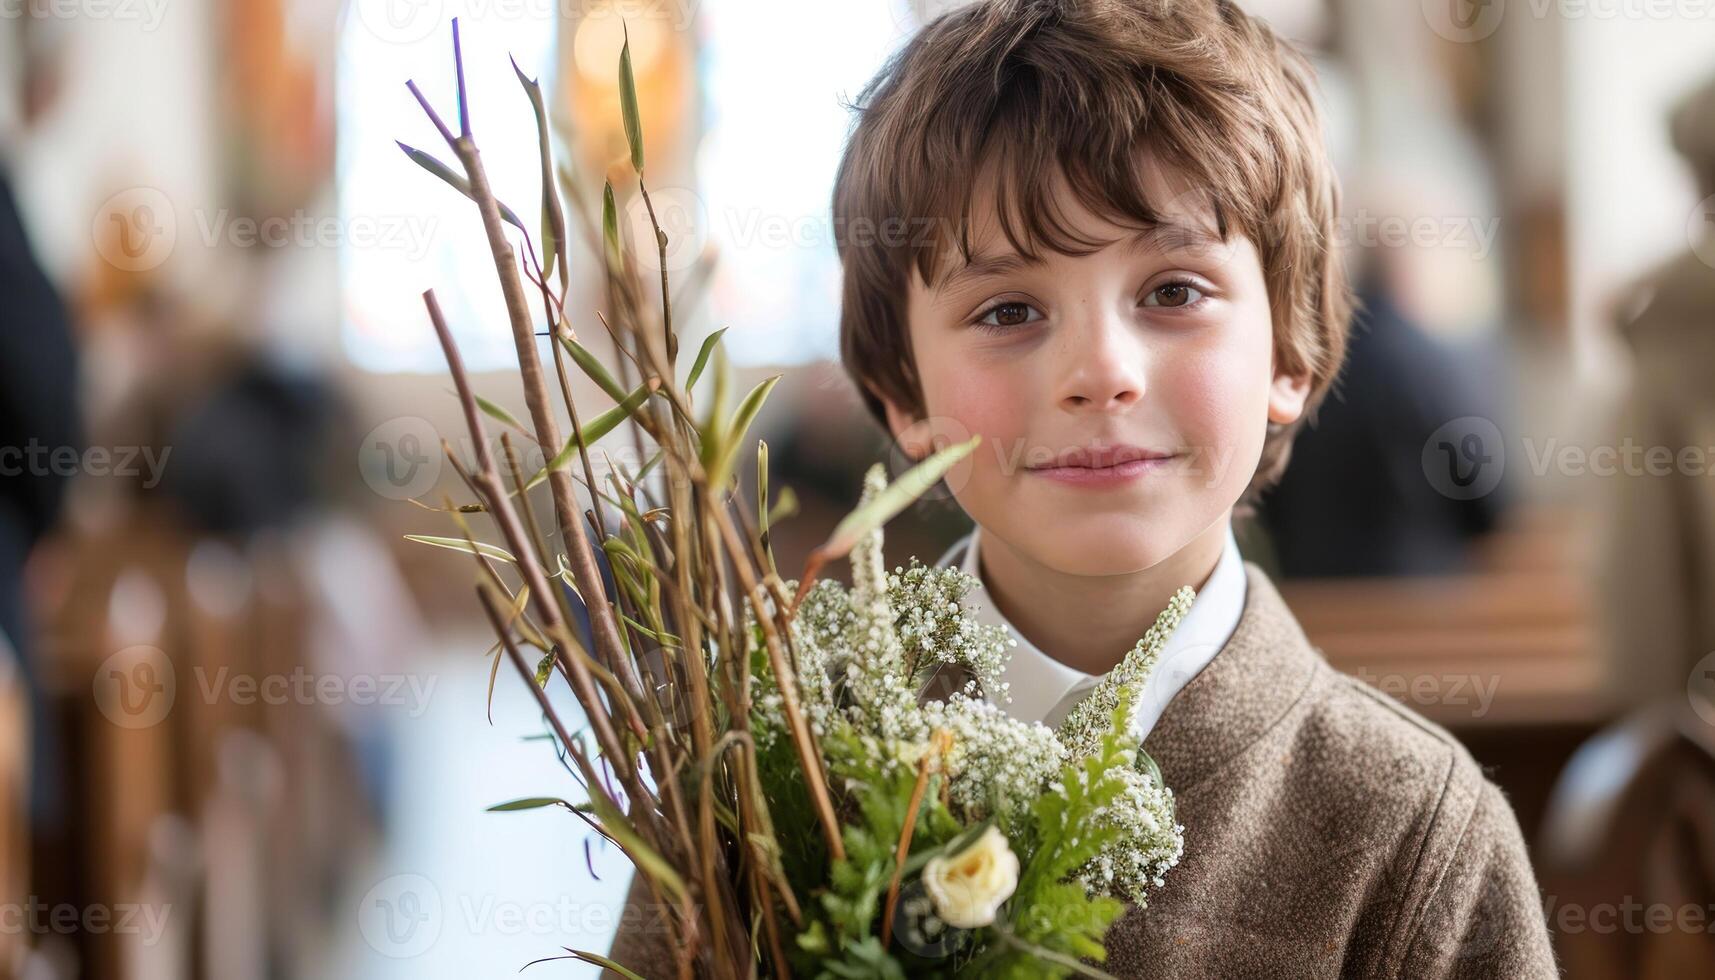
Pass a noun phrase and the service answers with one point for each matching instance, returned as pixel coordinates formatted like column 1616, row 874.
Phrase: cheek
column 968, row 396
column 1216, row 392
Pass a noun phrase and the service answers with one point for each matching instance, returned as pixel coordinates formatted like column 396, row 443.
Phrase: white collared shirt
column 1044, row 689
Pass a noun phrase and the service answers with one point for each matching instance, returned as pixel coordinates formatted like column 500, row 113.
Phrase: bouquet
column 770, row 753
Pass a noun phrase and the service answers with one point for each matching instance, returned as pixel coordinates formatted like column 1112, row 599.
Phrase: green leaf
column 645, row 859
column 628, row 105
column 896, row 497
column 762, row 490
column 518, row 602
column 500, row 415
column 458, row 183
column 784, row 506
column 721, row 470
column 529, row 803
column 593, row 430
column 459, row 544
column 610, row 230
column 553, row 219
column 601, row 961
column 703, row 358
column 596, row 370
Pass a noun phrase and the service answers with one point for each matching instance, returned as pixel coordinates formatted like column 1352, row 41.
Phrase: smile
column 1103, row 469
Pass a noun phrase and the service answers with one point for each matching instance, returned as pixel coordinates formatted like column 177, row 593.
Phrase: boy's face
column 1164, row 347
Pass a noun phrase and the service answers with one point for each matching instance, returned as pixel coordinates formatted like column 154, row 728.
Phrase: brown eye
column 1006, row 315
column 1173, row 294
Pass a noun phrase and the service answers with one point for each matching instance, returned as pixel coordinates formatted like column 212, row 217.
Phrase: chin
column 1106, row 544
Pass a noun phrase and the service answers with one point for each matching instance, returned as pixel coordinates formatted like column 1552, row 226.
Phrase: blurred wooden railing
column 224, row 817
column 1511, row 642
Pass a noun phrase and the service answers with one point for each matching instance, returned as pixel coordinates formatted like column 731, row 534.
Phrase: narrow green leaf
column 703, row 352
column 563, row 571
column 734, row 432
column 593, row 430
column 529, row 803
column 553, row 219
column 762, row 489
column 458, row 183
column 763, row 522
column 500, row 415
column 663, row 638
column 610, row 230
column 593, row 367
column 517, row 609
column 493, row 675
column 784, row 507
column 898, row 496
column 459, row 544
column 607, row 421
column 604, row 962
column 628, row 106
column 648, row 862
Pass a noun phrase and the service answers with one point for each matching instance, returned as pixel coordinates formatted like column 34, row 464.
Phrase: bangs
column 1099, row 137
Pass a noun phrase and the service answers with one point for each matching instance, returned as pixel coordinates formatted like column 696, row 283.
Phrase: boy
column 1099, row 233
column 1116, row 264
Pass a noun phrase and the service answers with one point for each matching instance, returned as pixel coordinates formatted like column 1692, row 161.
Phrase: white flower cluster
column 1089, row 720
column 862, row 657
column 936, row 626
column 1151, row 845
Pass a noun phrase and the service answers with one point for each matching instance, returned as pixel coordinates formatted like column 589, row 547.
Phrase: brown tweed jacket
column 1329, row 832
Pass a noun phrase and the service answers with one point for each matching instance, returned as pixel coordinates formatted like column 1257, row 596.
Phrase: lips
column 1103, row 457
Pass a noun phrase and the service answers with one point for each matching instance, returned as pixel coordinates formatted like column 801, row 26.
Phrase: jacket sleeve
column 1484, row 918
column 641, row 944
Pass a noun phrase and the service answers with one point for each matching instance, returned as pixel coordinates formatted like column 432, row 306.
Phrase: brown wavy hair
column 1022, row 87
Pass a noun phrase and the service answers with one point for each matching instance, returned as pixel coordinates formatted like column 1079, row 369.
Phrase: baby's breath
column 862, row 656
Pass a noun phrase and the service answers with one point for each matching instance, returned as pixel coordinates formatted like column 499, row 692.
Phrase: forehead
column 1009, row 215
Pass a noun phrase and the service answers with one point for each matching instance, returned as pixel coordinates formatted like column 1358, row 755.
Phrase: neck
column 1090, row 623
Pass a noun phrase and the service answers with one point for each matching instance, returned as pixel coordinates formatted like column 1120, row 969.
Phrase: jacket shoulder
column 1457, row 870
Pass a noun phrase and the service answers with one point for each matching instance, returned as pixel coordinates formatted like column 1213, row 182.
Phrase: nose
column 1103, row 363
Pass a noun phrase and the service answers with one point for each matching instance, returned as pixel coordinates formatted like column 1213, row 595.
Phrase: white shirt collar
column 1039, row 684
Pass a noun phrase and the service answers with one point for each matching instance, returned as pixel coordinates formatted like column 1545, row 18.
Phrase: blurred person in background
column 1658, row 564
column 1356, row 500
column 40, row 425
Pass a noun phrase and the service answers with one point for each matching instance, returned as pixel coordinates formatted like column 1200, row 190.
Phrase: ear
column 1286, row 397
column 908, row 431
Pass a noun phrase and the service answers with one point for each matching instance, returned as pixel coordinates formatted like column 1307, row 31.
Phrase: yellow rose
column 970, row 886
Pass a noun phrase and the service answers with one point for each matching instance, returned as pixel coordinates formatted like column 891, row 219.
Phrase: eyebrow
column 1163, row 236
